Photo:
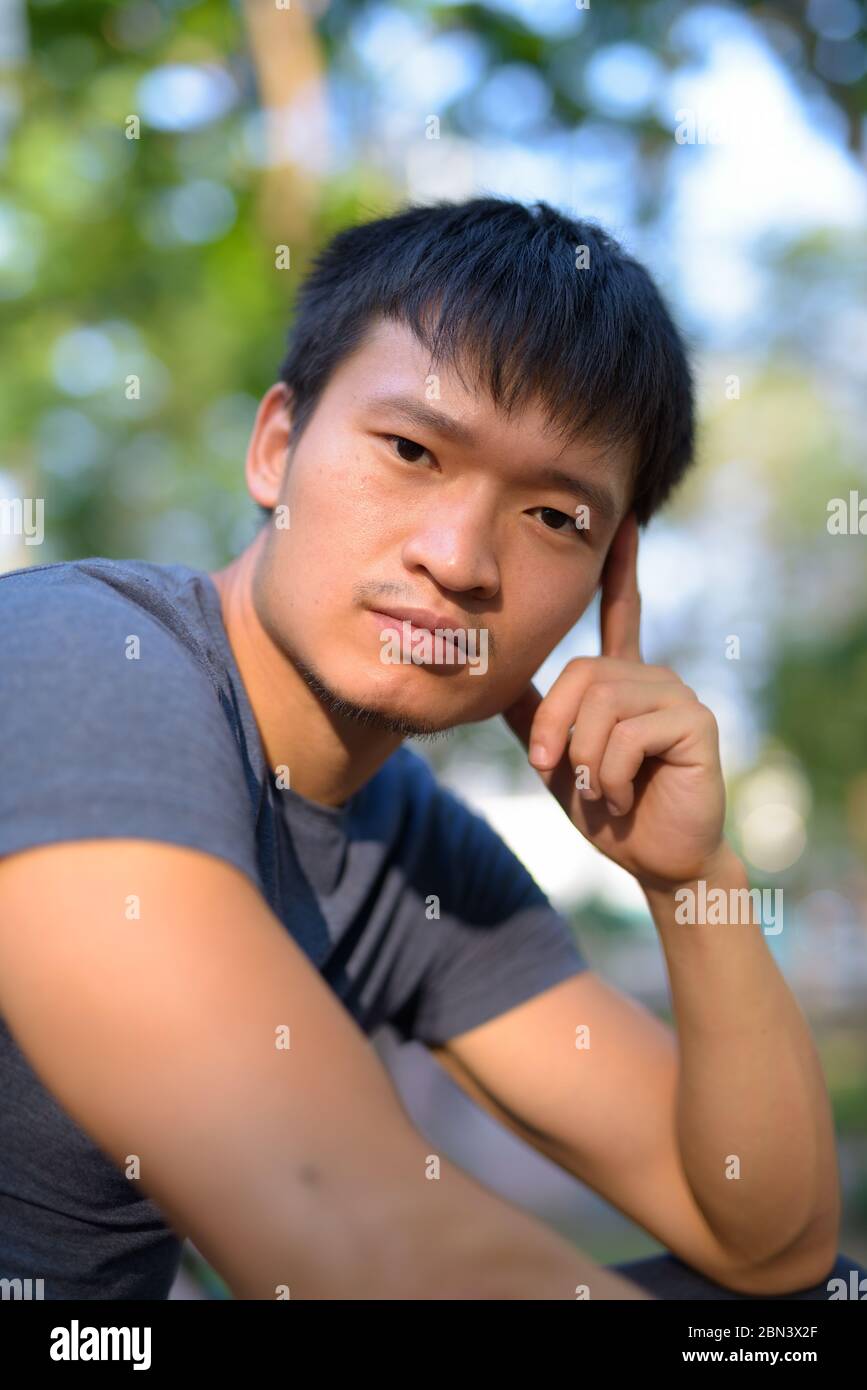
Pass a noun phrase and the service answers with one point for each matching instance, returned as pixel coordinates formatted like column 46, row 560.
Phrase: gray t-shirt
column 162, row 744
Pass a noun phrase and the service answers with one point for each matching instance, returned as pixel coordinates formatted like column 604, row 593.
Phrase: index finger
column 620, row 610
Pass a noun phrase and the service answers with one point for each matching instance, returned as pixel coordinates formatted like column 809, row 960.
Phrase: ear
column 268, row 449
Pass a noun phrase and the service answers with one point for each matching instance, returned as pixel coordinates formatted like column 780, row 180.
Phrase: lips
column 422, row 618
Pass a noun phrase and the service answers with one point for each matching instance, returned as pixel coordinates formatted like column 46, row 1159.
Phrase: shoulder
column 409, row 779
column 497, row 938
column 97, row 587
column 97, row 619
column 423, row 788
column 458, row 843
column 101, row 661
column 419, row 779
column 114, row 724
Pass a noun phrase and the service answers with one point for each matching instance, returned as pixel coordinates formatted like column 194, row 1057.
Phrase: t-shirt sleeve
column 98, row 743
column 498, row 940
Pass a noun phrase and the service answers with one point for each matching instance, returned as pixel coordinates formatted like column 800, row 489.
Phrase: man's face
column 389, row 507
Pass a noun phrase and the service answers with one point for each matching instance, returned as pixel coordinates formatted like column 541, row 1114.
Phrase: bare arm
column 289, row 1165
column 611, row 1113
column 750, row 1089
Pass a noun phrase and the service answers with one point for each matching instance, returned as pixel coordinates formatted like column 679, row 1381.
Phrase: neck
column 329, row 756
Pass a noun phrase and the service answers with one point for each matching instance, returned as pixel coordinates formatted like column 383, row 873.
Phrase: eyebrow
column 600, row 498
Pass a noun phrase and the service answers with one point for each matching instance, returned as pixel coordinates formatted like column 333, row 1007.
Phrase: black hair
column 539, row 304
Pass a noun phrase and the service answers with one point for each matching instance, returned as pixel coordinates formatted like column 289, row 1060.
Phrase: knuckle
column 600, row 694
column 709, row 718
column 627, row 736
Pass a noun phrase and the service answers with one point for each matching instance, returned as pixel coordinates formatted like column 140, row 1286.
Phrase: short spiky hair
column 538, row 304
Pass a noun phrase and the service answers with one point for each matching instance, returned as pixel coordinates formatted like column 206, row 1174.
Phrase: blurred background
column 169, row 167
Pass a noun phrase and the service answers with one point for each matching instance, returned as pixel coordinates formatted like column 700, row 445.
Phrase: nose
column 452, row 541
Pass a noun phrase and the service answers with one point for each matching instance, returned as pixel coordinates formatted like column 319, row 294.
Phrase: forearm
column 448, row 1238
column 754, row 1122
column 478, row 1246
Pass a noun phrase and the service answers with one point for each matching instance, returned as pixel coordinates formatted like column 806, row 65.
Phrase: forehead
column 391, row 363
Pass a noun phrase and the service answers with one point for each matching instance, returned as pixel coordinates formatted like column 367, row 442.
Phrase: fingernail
column 538, row 753
column 613, row 810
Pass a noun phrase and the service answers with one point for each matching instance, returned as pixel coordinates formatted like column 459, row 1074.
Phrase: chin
column 438, row 714
column 412, row 708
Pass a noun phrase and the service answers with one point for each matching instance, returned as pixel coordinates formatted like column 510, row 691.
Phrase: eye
column 407, row 445
column 566, row 523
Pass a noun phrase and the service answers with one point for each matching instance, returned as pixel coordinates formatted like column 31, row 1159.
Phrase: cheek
column 331, row 499
column 550, row 606
column 336, row 466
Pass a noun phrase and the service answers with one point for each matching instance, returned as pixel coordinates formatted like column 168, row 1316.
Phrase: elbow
column 803, row 1263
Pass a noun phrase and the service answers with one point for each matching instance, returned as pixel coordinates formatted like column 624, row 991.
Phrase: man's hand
column 626, row 748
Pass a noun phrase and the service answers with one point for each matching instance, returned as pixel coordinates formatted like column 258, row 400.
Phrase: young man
column 222, row 870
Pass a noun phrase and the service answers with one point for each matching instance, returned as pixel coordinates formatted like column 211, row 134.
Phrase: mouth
column 434, row 641
column 421, row 621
